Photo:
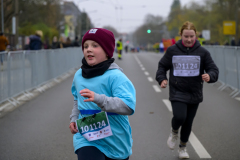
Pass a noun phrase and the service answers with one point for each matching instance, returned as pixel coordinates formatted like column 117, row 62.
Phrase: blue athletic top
column 113, row 83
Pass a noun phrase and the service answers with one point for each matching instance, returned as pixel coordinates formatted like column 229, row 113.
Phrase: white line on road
column 168, row 104
column 150, row 79
column 201, row 151
column 146, row 73
column 137, row 59
column 156, row 88
column 198, row 147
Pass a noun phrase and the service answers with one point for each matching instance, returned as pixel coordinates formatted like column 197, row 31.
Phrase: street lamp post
column 88, row 25
column 2, row 16
column 17, row 21
column 236, row 38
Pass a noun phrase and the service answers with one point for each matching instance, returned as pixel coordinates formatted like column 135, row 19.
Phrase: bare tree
column 157, row 26
column 110, row 28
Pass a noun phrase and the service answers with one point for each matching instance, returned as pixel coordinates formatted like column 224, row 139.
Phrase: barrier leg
column 223, row 87
column 223, row 84
column 236, row 94
column 235, row 90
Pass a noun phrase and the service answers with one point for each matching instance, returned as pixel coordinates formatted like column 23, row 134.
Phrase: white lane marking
column 198, row 147
column 168, row 104
column 137, row 59
column 201, row 151
column 156, row 88
column 150, row 79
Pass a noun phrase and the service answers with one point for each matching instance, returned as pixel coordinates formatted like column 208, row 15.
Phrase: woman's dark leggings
column 183, row 115
column 91, row 153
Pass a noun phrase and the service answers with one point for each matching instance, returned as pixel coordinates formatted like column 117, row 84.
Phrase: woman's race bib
column 186, row 66
column 94, row 127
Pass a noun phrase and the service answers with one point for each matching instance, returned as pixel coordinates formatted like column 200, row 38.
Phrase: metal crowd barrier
column 228, row 61
column 22, row 71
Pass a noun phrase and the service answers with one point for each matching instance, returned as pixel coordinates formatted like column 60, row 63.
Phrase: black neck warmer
column 96, row 70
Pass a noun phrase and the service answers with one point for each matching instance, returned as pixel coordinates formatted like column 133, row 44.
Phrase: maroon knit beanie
column 103, row 37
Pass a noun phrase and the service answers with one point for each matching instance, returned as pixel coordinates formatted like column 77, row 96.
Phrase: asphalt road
column 38, row 130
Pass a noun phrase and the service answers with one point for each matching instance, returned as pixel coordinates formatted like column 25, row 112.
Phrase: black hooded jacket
column 186, row 89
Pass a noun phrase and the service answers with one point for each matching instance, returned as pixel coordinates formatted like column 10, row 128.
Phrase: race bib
column 186, row 66
column 94, row 127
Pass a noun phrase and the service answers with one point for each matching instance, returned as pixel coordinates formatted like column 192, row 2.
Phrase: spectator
column 46, row 44
column 27, row 41
column 226, row 43
column 126, row 48
column 3, row 45
column 55, row 43
column 173, row 41
column 76, row 42
column 35, row 41
column 161, row 47
column 68, row 43
column 61, row 42
column 233, row 42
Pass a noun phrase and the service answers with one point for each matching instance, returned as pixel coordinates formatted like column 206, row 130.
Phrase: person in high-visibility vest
column 201, row 39
column 119, row 48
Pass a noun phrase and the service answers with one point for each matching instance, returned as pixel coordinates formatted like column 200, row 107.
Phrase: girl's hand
column 73, row 127
column 88, row 94
column 206, row 77
column 164, row 84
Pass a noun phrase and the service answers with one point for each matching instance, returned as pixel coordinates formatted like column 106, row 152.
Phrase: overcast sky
column 125, row 15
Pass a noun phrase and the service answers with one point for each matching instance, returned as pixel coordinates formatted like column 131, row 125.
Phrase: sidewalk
column 15, row 102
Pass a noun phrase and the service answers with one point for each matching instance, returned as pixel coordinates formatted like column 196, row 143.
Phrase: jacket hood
column 115, row 66
column 34, row 37
column 183, row 48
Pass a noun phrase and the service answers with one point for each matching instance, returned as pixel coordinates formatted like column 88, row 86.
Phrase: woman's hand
column 73, row 127
column 164, row 84
column 206, row 77
column 88, row 94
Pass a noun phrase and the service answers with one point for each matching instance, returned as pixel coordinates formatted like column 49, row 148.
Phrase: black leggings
column 91, row 153
column 183, row 115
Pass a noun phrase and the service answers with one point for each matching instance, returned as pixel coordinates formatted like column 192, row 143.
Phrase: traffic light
column 148, row 31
